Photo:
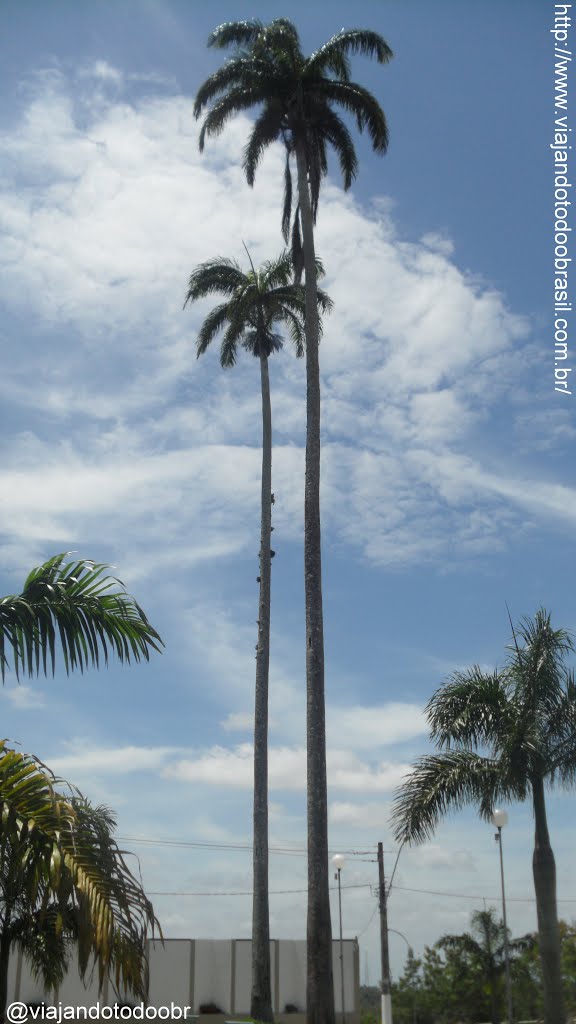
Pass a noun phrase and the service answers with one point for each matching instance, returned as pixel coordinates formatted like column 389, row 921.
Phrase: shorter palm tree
column 503, row 737
column 484, row 951
column 258, row 303
column 77, row 604
column 65, row 885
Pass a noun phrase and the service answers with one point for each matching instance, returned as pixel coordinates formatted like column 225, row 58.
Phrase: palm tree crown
column 258, row 303
column 299, row 97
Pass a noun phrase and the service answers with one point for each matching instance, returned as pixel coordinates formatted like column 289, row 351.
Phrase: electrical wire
column 248, row 892
column 366, row 927
column 204, row 845
column 467, row 896
column 364, row 885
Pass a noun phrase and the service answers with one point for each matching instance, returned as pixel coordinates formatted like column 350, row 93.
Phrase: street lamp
column 411, row 955
column 396, row 932
column 499, row 819
column 339, row 861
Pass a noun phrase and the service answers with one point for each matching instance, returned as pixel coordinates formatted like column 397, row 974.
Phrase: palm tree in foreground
column 504, row 737
column 77, row 604
column 64, row 884
column 298, row 96
column 257, row 304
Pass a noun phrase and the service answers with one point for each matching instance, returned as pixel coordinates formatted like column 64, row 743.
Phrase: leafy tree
column 527, row 975
column 64, row 883
column 77, row 604
column 257, row 304
column 504, row 737
column 298, row 97
column 449, row 982
column 484, row 950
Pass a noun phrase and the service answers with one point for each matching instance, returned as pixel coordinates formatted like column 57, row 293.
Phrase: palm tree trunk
column 320, row 989
column 544, row 870
column 261, row 998
column 5, row 942
column 494, row 997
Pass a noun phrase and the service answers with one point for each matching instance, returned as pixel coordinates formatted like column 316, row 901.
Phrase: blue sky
column 448, row 457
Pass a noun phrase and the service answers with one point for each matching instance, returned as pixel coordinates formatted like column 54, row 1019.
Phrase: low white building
column 203, row 973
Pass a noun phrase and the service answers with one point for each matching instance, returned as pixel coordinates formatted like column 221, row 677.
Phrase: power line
column 366, row 927
column 363, row 885
column 468, row 896
column 248, row 892
column 222, row 845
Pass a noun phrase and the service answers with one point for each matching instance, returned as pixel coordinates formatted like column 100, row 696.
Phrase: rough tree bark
column 320, row 989
column 261, row 998
column 544, row 871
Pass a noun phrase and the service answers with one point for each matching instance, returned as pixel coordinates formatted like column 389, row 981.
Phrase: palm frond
column 235, row 33
column 278, row 41
column 287, row 202
column 267, row 129
column 537, row 664
column 235, row 101
column 296, row 330
column 469, row 710
column 59, row 857
column 360, row 104
column 296, row 247
column 77, row 603
column 337, row 134
column 332, row 55
column 213, row 323
column 238, row 72
column 277, row 274
column 46, row 939
column 440, row 783
column 221, row 275
column 325, row 304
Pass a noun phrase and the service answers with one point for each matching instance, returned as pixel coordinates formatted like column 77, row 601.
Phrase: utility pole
column 386, row 998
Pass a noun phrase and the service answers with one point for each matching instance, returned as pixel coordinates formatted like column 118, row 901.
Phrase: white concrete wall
column 292, row 974
column 192, row 972
column 213, row 973
column 171, row 972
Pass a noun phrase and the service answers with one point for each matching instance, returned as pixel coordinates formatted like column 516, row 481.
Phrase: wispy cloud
column 234, row 768
column 109, row 207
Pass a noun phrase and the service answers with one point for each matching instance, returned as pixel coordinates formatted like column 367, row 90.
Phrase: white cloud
column 23, row 697
column 447, row 858
column 240, row 721
column 233, row 768
column 84, row 760
column 109, row 207
column 358, row 815
column 364, row 728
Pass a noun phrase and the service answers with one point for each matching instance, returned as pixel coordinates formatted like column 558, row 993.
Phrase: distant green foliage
column 450, row 982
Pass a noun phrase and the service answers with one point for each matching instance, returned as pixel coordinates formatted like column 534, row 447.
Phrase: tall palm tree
column 299, row 97
column 522, row 719
column 64, row 883
column 76, row 603
column 484, row 951
column 257, row 304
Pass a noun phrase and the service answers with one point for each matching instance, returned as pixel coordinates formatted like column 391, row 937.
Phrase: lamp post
column 499, row 819
column 339, row 861
column 411, row 955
